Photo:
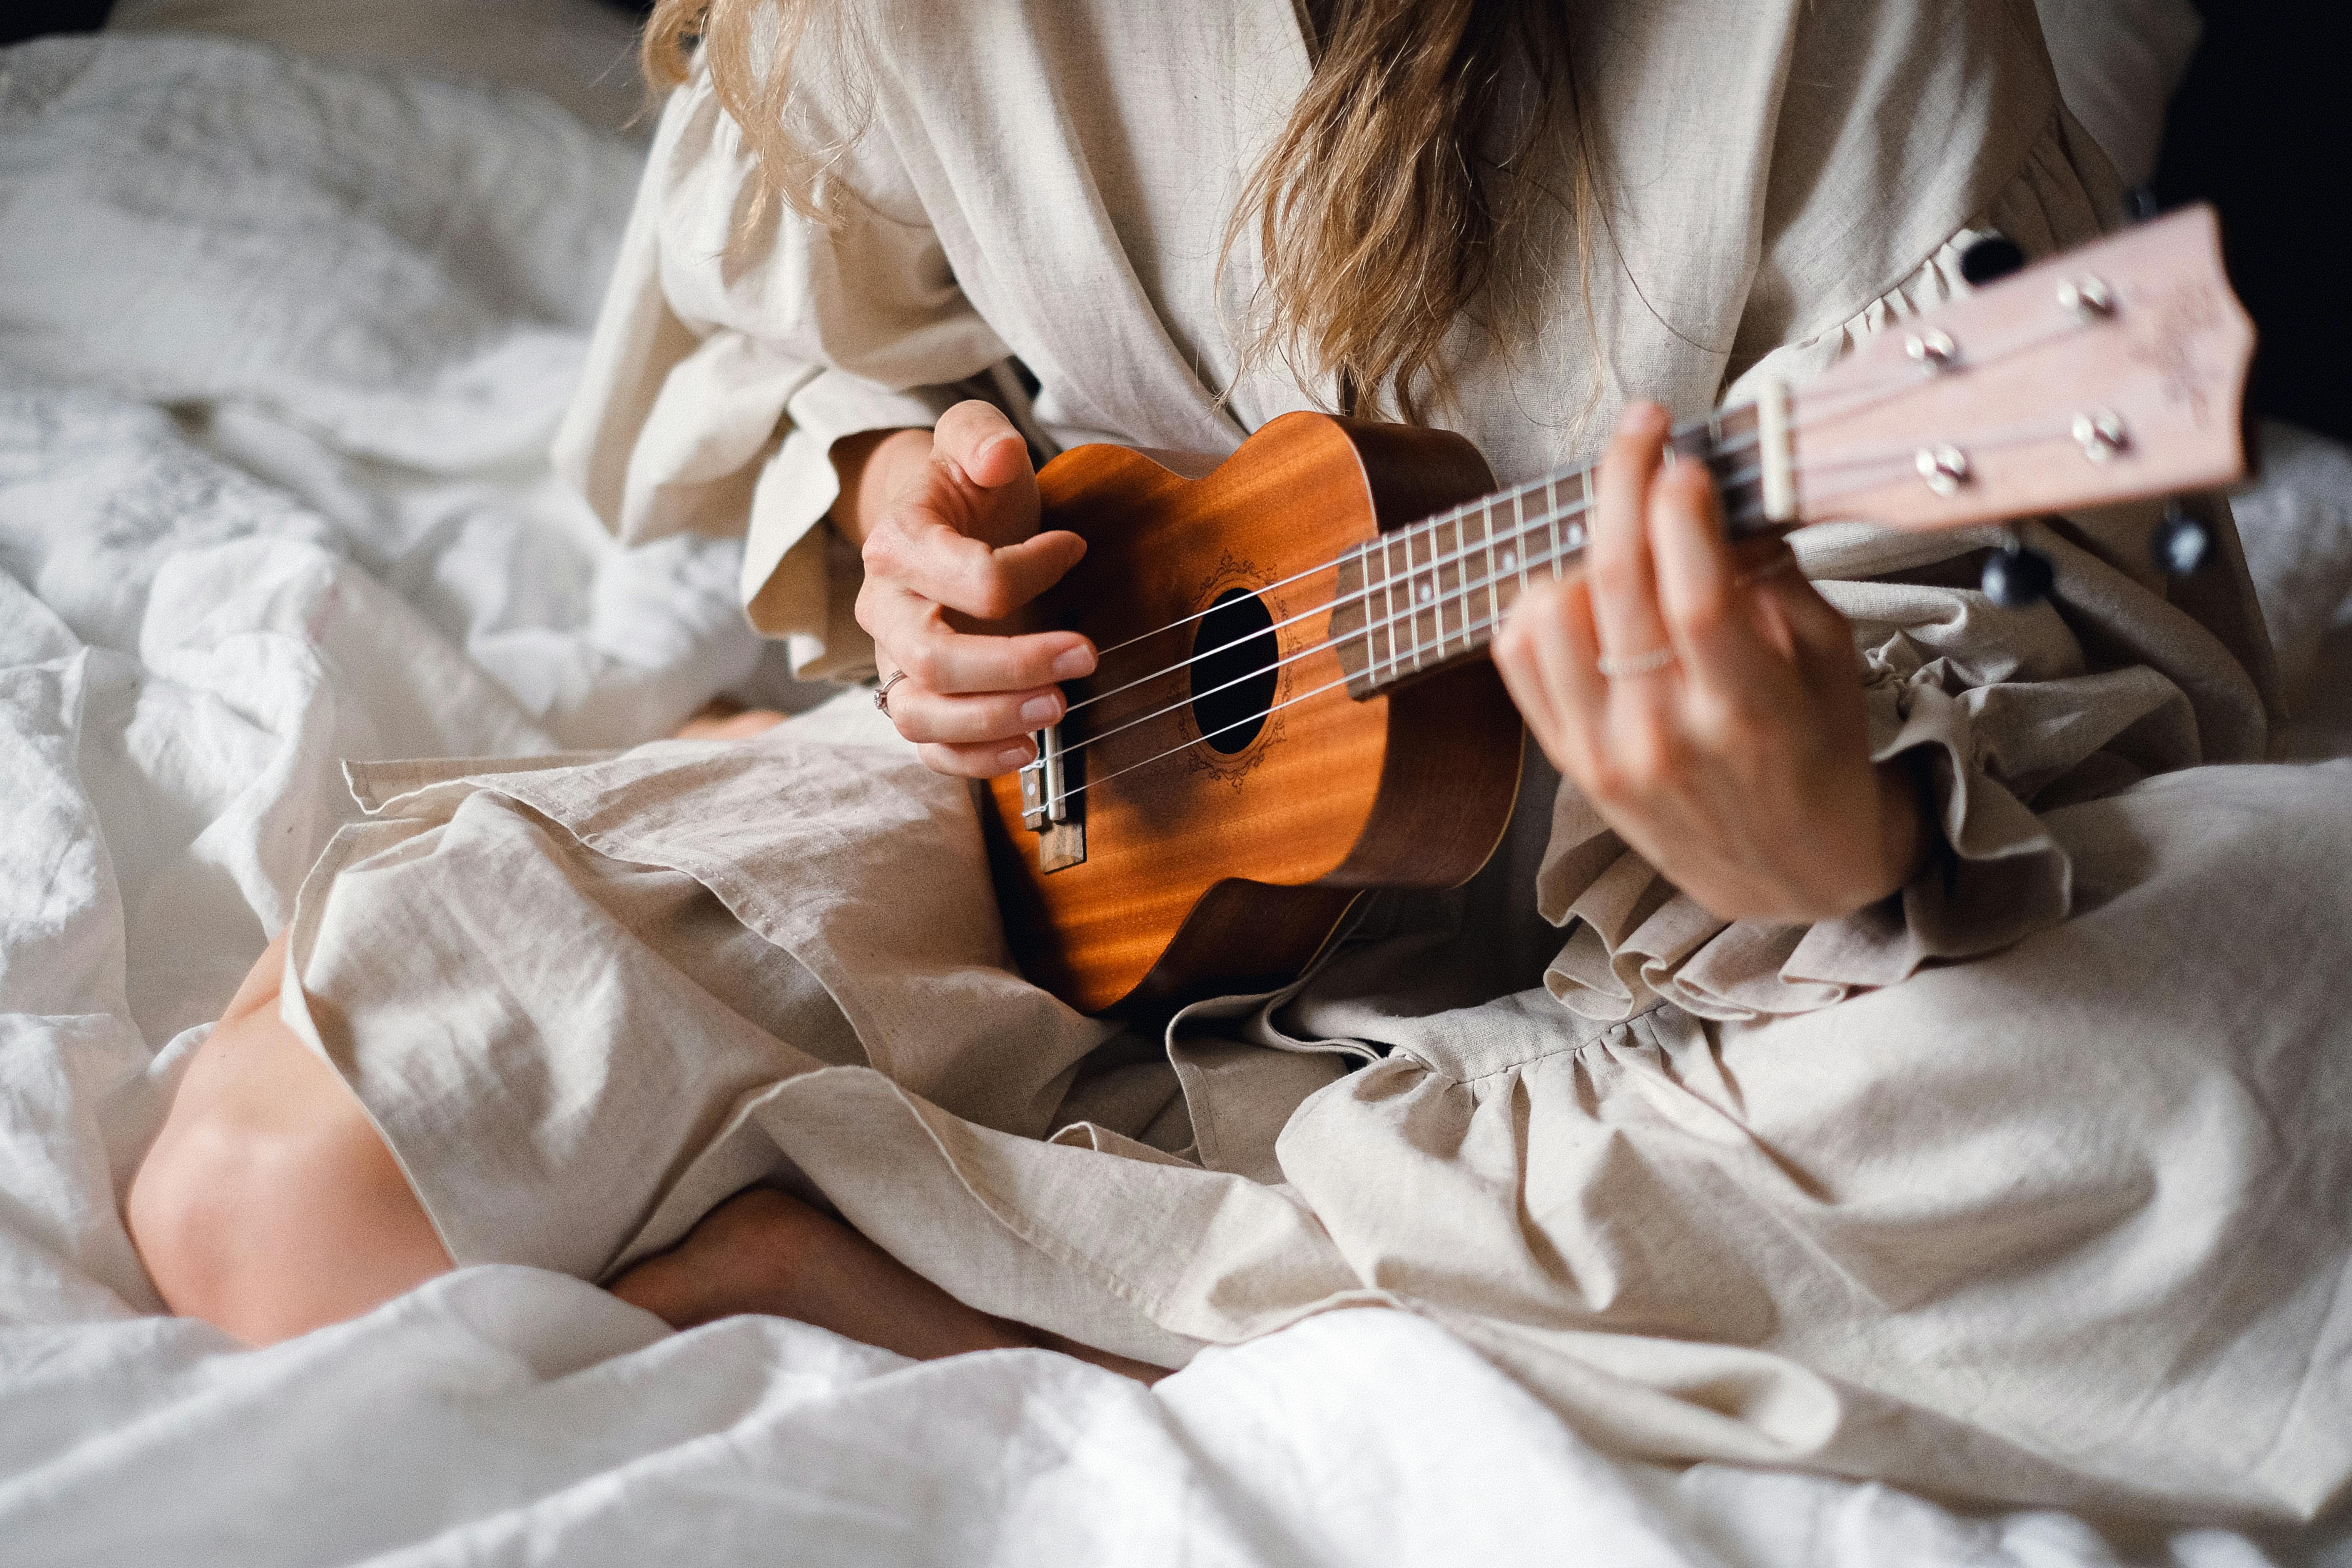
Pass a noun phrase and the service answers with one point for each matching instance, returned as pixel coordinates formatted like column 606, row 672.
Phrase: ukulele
column 1291, row 706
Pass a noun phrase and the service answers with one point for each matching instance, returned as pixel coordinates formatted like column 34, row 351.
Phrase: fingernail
column 1077, row 662
column 1013, row 757
column 1040, row 710
column 980, row 454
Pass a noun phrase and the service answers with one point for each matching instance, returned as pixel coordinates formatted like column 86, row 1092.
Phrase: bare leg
column 269, row 1207
column 721, row 719
column 762, row 1251
column 268, row 1204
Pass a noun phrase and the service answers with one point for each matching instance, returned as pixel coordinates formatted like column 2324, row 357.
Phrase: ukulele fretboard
column 1431, row 592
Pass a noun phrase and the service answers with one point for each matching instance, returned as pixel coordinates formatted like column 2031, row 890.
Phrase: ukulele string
column 1460, row 594
column 1897, row 384
column 1856, row 399
column 1898, row 381
column 1898, row 466
column 1259, row 717
column 1906, row 458
column 1362, row 552
column 1863, row 397
column 1821, row 408
column 1514, row 494
column 1492, row 542
column 1435, row 606
column 2016, row 436
column 1406, row 536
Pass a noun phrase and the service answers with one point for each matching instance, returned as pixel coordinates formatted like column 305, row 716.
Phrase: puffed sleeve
column 2008, row 713
column 729, row 359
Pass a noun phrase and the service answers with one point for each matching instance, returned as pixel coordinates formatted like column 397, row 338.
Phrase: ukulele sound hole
column 1232, row 680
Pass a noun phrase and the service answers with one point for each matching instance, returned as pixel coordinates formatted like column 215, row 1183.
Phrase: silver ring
column 882, row 697
column 1649, row 663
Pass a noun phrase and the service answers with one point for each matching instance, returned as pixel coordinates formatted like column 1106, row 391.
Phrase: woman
column 1683, row 1109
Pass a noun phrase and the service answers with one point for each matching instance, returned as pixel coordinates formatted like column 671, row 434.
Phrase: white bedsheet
column 279, row 349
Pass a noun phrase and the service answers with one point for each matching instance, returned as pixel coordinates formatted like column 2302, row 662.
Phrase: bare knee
column 269, row 1205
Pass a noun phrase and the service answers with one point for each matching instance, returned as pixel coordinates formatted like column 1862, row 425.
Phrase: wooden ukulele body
column 1211, row 870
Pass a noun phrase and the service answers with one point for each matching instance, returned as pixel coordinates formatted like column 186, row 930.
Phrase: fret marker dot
column 1510, row 561
column 1423, row 592
column 1576, row 536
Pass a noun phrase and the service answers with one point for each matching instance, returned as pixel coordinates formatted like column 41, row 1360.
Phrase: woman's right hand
column 948, row 521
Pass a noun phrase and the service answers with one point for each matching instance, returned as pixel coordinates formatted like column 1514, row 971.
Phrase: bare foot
column 723, row 720
column 762, row 1251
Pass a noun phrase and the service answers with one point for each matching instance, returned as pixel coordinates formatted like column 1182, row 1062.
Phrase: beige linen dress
column 2029, row 1183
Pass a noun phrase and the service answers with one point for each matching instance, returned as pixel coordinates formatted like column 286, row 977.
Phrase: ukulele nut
column 2087, row 297
column 1946, row 468
column 2100, row 433
column 1933, row 351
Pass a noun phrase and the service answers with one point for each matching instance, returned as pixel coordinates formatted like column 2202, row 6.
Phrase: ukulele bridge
column 1049, row 808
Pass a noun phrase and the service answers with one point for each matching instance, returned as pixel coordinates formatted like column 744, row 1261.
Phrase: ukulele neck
column 1435, row 591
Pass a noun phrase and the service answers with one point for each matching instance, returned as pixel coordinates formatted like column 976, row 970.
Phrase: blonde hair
column 1386, row 211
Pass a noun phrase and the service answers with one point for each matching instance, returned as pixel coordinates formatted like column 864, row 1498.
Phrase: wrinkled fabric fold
column 2060, row 1224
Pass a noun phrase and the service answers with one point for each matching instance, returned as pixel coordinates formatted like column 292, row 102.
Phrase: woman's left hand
column 1730, row 747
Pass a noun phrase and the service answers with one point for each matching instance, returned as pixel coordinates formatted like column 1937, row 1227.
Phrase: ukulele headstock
column 2108, row 373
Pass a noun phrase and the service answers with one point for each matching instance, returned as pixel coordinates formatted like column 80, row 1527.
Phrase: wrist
column 1883, row 856
column 1906, row 832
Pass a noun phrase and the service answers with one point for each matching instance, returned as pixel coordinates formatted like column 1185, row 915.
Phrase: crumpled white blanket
column 280, row 349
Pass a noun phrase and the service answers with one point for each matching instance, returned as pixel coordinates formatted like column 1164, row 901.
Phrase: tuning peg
column 2017, row 578
column 2180, row 543
column 1989, row 259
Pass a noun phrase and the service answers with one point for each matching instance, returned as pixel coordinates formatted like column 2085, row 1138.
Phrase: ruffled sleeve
column 726, row 363
column 2008, row 712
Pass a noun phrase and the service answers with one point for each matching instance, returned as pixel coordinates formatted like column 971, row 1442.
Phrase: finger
column 1522, row 672
column 1618, row 565
column 1820, row 638
column 910, row 631
column 1548, row 657
column 981, row 761
column 1572, row 661
column 928, row 717
column 1698, row 581
column 712, row 724
column 916, row 550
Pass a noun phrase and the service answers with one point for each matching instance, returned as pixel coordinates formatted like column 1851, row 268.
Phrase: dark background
column 2263, row 129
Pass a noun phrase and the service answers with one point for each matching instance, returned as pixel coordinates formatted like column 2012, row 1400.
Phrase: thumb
column 980, row 443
